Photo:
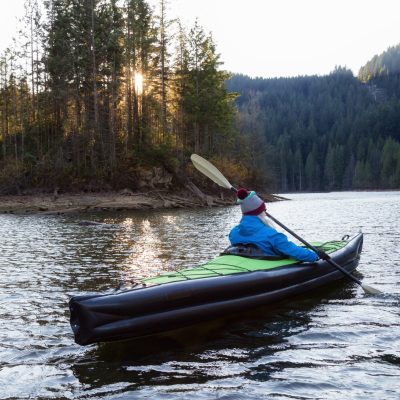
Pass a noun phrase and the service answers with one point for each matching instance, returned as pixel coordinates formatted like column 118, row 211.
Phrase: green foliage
column 158, row 156
column 387, row 63
column 203, row 98
column 324, row 133
column 12, row 177
column 107, row 95
column 390, row 158
column 237, row 172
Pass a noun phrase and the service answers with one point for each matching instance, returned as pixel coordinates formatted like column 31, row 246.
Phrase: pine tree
column 390, row 162
column 208, row 103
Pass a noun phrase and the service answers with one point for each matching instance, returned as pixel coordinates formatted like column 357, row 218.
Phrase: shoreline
column 103, row 201
column 64, row 203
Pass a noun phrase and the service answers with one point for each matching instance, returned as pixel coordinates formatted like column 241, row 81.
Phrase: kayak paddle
column 206, row 168
column 209, row 170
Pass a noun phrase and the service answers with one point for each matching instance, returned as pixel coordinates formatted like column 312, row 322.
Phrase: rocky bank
column 154, row 191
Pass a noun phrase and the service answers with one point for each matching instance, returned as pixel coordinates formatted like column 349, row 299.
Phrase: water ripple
column 332, row 344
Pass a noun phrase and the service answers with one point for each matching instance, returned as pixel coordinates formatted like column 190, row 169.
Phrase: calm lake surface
column 335, row 343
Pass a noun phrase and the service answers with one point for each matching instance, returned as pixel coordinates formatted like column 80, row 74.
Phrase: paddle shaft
column 310, row 246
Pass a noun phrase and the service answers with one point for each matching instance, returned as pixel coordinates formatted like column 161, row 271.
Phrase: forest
column 334, row 132
column 93, row 92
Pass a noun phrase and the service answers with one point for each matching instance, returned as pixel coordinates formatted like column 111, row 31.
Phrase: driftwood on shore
column 61, row 203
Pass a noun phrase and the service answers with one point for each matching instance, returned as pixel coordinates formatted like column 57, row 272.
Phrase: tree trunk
column 94, row 77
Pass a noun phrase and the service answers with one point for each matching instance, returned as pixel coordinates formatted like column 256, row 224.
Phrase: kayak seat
column 251, row 251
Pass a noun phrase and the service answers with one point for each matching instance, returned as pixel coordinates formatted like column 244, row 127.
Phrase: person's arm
column 284, row 246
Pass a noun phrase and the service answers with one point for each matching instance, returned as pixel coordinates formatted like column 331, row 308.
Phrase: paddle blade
column 206, row 168
column 370, row 289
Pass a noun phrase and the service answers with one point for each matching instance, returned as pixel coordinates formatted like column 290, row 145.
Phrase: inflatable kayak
column 224, row 286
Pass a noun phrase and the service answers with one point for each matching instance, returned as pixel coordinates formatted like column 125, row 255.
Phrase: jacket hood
column 250, row 225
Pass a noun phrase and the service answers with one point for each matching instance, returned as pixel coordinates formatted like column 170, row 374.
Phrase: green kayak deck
column 232, row 264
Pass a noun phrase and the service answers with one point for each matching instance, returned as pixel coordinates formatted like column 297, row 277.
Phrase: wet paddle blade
column 370, row 289
column 206, row 168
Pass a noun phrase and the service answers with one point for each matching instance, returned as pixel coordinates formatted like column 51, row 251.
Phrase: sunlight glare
column 138, row 83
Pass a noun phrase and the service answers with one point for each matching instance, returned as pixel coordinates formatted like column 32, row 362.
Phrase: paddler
column 255, row 229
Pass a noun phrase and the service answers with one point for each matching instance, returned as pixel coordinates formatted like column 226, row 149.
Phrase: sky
column 273, row 38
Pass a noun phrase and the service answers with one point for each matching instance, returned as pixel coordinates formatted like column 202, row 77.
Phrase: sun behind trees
column 97, row 88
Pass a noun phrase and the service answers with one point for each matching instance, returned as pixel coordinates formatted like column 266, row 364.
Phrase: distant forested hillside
column 387, row 63
column 383, row 72
column 335, row 132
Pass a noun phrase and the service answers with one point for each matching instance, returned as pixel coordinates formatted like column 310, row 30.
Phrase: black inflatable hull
column 147, row 311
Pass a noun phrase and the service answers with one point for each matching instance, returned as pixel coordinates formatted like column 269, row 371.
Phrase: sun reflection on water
column 149, row 244
column 147, row 257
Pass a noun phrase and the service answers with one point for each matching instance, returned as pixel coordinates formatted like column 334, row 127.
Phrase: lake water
column 334, row 343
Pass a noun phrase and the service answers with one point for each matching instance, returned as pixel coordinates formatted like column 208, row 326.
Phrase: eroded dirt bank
column 115, row 201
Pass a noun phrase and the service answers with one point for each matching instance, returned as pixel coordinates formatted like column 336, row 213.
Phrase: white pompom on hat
column 250, row 203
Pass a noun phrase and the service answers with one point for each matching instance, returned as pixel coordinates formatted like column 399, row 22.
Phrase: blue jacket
column 252, row 230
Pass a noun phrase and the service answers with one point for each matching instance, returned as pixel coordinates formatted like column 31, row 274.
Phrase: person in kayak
column 255, row 229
